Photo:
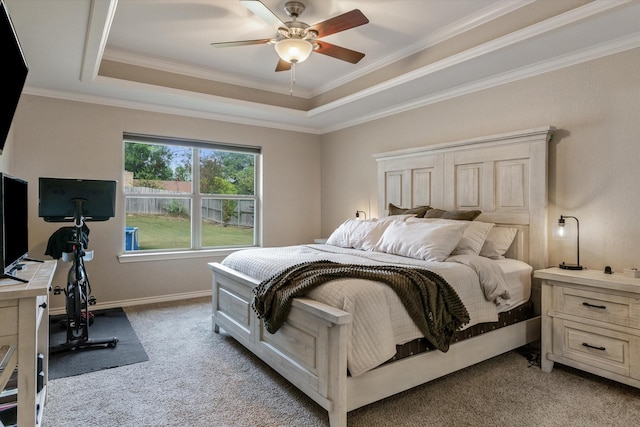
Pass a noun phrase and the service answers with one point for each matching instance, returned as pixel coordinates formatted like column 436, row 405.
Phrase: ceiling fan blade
column 347, row 20
column 257, row 7
column 283, row 65
column 241, row 43
column 339, row 52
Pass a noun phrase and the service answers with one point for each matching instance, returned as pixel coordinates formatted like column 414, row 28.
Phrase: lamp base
column 570, row 266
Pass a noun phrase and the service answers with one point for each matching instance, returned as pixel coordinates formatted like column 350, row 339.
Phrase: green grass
column 168, row 232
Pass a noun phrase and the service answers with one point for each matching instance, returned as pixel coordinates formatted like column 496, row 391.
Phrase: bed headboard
column 504, row 176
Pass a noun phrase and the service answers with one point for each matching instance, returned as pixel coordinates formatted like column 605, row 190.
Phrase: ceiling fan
column 295, row 40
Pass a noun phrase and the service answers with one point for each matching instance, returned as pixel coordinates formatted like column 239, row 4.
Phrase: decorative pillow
column 498, row 242
column 418, row 211
column 403, row 217
column 472, row 239
column 421, row 240
column 459, row 214
column 358, row 234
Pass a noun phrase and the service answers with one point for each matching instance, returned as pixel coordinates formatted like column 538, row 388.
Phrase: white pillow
column 358, row 234
column 429, row 241
column 472, row 239
column 498, row 242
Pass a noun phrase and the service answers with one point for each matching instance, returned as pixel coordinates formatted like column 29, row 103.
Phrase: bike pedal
column 84, row 318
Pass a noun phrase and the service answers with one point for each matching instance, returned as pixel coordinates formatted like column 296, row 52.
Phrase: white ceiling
column 66, row 41
column 180, row 32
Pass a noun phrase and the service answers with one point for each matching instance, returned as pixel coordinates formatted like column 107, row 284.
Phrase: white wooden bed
column 504, row 176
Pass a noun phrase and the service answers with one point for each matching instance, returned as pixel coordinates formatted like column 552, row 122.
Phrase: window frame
column 196, row 198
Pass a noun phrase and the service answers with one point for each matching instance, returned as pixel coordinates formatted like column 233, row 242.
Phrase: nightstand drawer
column 614, row 309
column 593, row 346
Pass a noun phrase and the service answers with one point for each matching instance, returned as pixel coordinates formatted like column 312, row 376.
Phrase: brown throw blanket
column 431, row 302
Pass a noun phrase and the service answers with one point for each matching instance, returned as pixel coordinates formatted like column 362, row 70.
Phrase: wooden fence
column 240, row 213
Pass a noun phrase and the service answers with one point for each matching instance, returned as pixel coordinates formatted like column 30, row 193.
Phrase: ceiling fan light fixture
column 294, row 51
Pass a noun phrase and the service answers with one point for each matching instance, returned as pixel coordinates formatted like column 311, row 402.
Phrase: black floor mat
column 106, row 324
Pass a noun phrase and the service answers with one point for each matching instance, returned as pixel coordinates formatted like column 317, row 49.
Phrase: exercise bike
column 77, row 293
column 78, row 298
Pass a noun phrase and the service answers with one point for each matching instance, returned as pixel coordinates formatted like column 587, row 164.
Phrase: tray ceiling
column 156, row 54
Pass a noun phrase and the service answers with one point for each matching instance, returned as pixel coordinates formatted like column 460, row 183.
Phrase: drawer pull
column 603, row 307
column 593, row 347
column 43, row 305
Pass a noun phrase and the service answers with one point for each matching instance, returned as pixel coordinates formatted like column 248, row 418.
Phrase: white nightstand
column 591, row 321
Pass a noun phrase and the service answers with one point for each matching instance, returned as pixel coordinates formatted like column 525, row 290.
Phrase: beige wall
column 68, row 139
column 5, row 157
column 593, row 172
column 594, row 158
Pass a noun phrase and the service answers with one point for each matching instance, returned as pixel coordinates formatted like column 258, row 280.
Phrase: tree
column 210, row 175
column 245, row 182
column 148, row 162
column 228, row 210
column 182, row 171
column 226, row 173
column 238, row 169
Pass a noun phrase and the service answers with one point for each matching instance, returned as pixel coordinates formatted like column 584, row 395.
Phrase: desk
column 24, row 336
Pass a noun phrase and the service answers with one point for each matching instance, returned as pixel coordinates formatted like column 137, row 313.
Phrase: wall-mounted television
column 60, row 198
column 14, row 73
column 14, row 220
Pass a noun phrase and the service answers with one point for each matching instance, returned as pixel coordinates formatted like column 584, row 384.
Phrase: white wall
column 594, row 158
column 58, row 138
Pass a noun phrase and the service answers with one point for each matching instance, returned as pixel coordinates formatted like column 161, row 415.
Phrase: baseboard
column 140, row 301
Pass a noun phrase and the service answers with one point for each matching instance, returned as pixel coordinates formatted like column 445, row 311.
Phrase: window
column 170, row 204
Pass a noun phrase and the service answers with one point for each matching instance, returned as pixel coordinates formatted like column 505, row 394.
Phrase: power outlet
column 631, row 272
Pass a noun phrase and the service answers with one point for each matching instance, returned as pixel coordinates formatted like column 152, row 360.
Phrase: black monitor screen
column 60, row 197
column 14, row 226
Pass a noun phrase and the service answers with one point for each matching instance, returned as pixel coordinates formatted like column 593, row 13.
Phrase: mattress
column 380, row 321
column 523, row 311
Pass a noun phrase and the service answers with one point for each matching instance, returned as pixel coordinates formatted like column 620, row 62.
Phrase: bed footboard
column 309, row 350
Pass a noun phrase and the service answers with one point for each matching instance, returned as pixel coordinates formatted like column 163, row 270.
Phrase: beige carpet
column 195, row 377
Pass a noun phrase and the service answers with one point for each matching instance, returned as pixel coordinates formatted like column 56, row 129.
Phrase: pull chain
column 293, row 78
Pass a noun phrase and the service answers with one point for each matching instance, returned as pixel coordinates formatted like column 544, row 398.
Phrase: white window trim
column 128, row 257
column 196, row 198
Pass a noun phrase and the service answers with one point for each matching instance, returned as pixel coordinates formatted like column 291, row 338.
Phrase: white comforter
column 380, row 321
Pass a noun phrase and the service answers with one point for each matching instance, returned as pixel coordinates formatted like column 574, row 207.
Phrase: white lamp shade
column 294, row 50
